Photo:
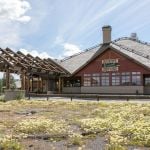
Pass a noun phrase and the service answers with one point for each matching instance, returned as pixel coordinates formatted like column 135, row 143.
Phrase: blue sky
column 59, row 28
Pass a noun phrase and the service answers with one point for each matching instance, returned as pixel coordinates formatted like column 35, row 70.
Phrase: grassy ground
column 62, row 125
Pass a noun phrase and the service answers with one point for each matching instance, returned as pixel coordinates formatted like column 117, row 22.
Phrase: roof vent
column 134, row 36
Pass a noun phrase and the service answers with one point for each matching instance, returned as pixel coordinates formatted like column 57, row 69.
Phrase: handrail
column 96, row 96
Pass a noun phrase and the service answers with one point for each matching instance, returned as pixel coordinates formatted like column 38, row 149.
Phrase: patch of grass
column 8, row 143
column 115, row 147
column 41, row 125
column 2, row 98
column 123, row 123
column 75, row 139
column 9, row 123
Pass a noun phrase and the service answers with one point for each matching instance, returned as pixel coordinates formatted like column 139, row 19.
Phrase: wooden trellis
column 27, row 66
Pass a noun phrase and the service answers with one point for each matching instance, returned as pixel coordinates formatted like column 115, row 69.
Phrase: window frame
column 117, row 77
column 105, row 77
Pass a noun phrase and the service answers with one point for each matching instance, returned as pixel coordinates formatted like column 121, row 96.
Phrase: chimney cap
column 106, row 27
column 134, row 36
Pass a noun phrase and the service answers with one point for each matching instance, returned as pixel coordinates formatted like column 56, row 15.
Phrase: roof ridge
column 132, row 50
column 129, row 38
column 85, row 50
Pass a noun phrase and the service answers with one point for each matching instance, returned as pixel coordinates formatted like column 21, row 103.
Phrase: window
column 105, row 79
column 76, row 82
column 136, row 78
column 67, row 83
column 125, row 78
column 72, row 82
column 115, row 79
column 147, row 81
column 87, row 80
column 95, row 79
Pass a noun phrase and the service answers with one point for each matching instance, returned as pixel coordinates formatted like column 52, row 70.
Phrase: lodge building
column 121, row 66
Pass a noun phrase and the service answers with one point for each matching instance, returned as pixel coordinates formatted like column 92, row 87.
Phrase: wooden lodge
column 120, row 66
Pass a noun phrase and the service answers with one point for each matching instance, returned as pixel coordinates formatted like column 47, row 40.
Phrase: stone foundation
column 14, row 94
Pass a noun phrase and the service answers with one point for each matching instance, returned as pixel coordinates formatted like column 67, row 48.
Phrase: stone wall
column 14, row 94
column 71, row 90
column 114, row 89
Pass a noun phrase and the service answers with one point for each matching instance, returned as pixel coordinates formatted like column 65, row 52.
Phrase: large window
column 125, row 78
column 147, row 81
column 105, row 79
column 115, row 78
column 87, row 80
column 95, row 79
column 136, row 78
column 72, row 82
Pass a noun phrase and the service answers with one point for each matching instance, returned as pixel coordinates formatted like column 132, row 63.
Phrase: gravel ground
column 95, row 144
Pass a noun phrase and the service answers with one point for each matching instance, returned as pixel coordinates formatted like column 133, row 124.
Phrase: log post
column 38, row 84
column 32, row 84
column 42, row 84
column 59, row 85
column 62, row 84
column 28, row 83
column 23, row 80
column 8, row 79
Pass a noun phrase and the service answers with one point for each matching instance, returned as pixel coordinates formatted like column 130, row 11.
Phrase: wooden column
column 38, row 84
column 62, row 83
column 42, row 84
column 8, row 79
column 28, row 83
column 59, row 85
column 32, row 84
column 23, row 80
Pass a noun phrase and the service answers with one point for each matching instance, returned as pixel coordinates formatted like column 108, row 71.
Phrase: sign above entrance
column 110, row 65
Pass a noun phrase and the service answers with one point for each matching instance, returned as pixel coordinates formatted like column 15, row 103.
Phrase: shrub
column 19, row 96
column 41, row 125
column 8, row 143
column 115, row 147
column 75, row 139
column 2, row 98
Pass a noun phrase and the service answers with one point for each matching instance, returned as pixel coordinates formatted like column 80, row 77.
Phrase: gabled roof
column 134, row 49
column 74, row 62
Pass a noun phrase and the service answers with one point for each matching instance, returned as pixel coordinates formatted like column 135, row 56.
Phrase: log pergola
column 28, row 67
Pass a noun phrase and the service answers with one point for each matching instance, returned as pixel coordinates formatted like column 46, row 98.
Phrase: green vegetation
column 121, row 124
column 75, row 139
column 41, row 125
column 3, row 83
column 8, row 143
column 124, row 124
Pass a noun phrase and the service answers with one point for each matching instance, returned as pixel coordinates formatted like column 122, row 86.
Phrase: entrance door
column 147, row 84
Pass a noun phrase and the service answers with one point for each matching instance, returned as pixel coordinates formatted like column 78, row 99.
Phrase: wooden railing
column 97, row 97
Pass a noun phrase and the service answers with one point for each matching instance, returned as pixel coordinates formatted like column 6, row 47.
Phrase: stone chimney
column 106, row 34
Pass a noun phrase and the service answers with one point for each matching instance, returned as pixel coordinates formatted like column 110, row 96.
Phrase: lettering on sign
column 110, row 65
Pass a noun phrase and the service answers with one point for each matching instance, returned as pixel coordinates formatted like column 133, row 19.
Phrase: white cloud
column 70, row 49
column 9, row 40
column 58, row 40
column 35, row 53
column 14, row 10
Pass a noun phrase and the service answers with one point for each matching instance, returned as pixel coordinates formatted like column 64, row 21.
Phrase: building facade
column 120, row 66
column 113, row 67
